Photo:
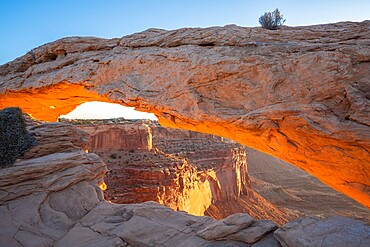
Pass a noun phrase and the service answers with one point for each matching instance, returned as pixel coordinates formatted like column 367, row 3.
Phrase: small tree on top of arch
column 272, row 20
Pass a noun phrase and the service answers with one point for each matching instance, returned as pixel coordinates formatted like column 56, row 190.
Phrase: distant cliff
column 126, row 137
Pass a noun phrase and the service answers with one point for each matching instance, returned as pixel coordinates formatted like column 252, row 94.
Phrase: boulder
column 254, row 232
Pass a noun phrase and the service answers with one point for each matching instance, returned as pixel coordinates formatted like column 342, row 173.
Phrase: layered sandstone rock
column 298, row 93
column 53, row 199
column 130, row 137
column 161, row 133
column 198, row 173
column 54, row 185
column 225, row 165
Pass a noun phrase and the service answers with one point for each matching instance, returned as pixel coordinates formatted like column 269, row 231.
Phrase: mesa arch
column 300, row 93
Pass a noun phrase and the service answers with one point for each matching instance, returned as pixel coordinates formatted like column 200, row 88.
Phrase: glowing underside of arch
column 68, row 100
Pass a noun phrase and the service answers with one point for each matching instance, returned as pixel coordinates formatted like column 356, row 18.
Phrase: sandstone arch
column 300, row 94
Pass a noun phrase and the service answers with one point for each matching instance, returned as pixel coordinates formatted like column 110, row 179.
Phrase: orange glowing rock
column 103, row 186
column 51, row 101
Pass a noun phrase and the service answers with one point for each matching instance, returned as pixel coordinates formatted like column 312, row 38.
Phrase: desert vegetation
column 272, row 20
column 14, row 138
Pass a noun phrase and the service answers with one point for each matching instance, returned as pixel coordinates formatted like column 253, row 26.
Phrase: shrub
column 113, row 156
column 14, row 138
column 272, row 20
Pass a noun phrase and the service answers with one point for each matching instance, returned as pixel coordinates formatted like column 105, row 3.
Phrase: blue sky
column 30, row 23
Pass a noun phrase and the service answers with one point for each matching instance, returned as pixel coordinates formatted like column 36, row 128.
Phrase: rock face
column 294, row 190
column 300, row 93
column 194, row 172
column 52, row 198
column 130, row 137
column 224, row 162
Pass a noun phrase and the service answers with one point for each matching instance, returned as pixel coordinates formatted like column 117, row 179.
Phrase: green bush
column 272, row 20
column 14, row 138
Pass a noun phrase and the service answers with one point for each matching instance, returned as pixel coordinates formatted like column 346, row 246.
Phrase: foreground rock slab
column 225, row 227
column 299, row 93
column 254, row 232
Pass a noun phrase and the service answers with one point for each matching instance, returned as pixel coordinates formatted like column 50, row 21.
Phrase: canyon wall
column 155, row 176
column 163, row 133
column 226, row 161
column 298, row 93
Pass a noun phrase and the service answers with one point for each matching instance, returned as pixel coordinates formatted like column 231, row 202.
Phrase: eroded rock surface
column 299, row 93
column 53, row 186
column 222, row 163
